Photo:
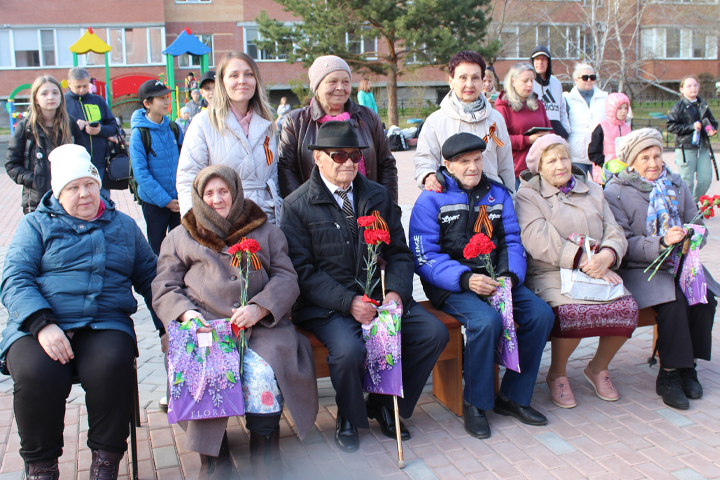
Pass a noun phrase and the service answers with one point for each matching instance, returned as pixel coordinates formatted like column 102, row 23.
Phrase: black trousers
column 159, row 221
column 684, row 332
column 104, row 364
column 424, row 337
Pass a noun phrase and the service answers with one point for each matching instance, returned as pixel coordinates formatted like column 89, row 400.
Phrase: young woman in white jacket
column 236, row 130
column 586, row 108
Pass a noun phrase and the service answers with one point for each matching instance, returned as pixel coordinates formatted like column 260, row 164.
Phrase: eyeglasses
column 588, row 77
column 342, row 157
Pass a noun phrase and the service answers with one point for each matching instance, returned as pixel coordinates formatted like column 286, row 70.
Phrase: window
column 252, row 36
column 563, row 41
column 47, row 46
column 189, row 61
column 362, row 43
column 677, row 43
column 156, row 36
column 5, row 49
column 27, row 51
column 65, row 38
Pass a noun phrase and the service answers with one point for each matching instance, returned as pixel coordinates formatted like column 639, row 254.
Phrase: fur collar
column 251, row 218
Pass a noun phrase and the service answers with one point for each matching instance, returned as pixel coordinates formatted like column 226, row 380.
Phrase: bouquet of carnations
column 506, row 353
column 382, row 336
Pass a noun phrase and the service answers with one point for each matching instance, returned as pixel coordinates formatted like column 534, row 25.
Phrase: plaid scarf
column 663, row 207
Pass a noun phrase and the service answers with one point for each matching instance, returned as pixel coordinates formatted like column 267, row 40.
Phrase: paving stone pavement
column 636, row 437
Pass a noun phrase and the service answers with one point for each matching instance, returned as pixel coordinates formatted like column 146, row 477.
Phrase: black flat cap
column 462, row 143
column 335, row 134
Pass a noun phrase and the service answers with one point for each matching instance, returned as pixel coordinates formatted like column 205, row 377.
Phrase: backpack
column 147, row 144
column 397, row 142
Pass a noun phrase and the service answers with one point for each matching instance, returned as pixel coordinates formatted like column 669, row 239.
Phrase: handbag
column 580, row 286
column 204, row 376
column 117, row 165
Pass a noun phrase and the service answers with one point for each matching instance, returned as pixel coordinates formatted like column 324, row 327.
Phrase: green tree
column 409, row 34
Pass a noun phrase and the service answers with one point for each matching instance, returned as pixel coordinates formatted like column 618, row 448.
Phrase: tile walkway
column 634, row 438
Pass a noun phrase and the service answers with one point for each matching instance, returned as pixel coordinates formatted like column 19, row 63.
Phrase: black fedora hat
column 336, row 135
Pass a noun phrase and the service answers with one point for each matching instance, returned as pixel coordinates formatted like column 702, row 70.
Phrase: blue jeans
column 483, row 326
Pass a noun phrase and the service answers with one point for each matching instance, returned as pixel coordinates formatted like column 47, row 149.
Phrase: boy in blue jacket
column 156, row 171
column 441, row 225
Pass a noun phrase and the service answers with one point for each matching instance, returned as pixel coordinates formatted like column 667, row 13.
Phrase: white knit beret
column 70, row 162
column 322, row 66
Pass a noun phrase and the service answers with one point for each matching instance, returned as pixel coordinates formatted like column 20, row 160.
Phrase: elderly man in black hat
column 441, row 226
column 327, row 249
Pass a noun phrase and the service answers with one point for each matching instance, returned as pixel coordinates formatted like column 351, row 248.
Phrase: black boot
column 105, row 465
column 217, row 468
column 690, row 383
column 476, row 423
column 265, row 455
column 669, row 387
column 47, row 470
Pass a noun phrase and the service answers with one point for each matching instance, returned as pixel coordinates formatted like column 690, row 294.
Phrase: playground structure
column 186, row 43
column 123, row 85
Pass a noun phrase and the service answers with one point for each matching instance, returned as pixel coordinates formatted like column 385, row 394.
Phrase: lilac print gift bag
column 382, row 337
column 204, row 375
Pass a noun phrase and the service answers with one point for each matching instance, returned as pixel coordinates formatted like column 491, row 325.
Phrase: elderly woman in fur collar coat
column 197, row 280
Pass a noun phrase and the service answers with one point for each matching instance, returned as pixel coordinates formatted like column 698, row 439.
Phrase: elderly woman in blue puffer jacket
column 67, row 286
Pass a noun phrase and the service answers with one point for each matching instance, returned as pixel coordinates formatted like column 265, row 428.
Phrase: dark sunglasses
column 342, row 157
column 588, row 77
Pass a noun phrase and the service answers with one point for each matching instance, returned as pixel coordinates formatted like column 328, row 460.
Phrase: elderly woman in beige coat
column 553, row 202
column 196, row 279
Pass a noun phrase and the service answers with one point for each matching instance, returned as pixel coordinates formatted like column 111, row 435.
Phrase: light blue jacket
column 83, row 271
column 155, row 175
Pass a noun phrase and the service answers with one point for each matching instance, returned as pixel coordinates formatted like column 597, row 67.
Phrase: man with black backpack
column 154, row 152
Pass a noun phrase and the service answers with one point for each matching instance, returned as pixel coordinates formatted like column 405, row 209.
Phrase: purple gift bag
column 382, row 337
column 506, row 353
column 691, row 278
column 204, row 380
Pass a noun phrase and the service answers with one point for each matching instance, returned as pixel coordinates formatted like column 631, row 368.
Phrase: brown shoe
column 47, row 470
column 105, row 465
column 265, row 455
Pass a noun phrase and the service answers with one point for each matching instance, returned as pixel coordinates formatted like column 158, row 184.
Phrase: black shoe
column 346, row 435
column 690, row 384
column 47, row 470
column 385, row 419
column 669, row 386
column 476, row 423
column 527, row 415
column 265, row 455
column 220, row 467
column 105, row 465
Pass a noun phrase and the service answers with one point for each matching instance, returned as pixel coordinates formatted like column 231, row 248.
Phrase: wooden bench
column 447, row 374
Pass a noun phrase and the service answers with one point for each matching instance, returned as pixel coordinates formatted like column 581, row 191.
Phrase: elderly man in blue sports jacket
column 441, row 225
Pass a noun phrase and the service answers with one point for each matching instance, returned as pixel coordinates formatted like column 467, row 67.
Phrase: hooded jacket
column 487, row 124
column 27, row 160
column 442, row 224
column 93, row 108
column 550, row 91
column 517, row 124
column 83, row 272
column 605, row 135
column 155, row 173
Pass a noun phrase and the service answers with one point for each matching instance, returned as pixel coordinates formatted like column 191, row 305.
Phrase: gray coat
column 195, row 273
column 629, row 196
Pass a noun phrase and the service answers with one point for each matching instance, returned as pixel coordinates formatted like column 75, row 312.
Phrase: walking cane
column 712, row 157
column 401, row 460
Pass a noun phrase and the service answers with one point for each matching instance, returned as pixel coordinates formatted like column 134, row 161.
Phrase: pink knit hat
column 322, row 66
column 540, row 145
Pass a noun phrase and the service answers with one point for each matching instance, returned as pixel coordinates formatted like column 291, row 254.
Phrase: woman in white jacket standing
column 236, row 130
column 586, row 109
column 465, row 109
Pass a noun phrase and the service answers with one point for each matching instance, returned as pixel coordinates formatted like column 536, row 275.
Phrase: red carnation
column 376, row 237
column 471, row 251
column 366, row 221
column 234, row 249
column 249, row 245
column 484, row 244
column 705, row 200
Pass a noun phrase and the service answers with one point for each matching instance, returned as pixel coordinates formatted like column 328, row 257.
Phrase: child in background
column 601, row 150
column 184, row 120
column 156, row 171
